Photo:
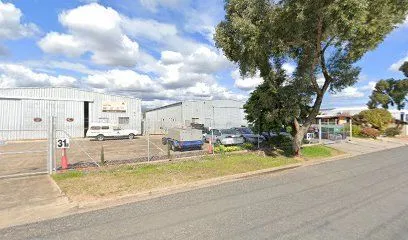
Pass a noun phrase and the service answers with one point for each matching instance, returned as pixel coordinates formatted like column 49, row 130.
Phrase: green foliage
column 356, row 130
column 248, row 146
column 370, row 132
column 392, row 132
column 224, row 149
column 375, row 118
column 280, row 141
column 388, row 93
column 404, row 68
column 321, row 37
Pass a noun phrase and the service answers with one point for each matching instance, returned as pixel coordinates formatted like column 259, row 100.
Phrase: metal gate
column 23, row 157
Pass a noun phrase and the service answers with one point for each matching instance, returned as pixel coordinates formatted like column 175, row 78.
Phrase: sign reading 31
column 63, row 143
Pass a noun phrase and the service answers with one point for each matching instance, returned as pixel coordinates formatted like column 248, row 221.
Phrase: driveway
column 364, row 197
column 29, row 199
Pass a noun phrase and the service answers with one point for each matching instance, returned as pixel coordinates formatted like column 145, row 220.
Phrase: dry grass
column 130, row 179
column 138, row 178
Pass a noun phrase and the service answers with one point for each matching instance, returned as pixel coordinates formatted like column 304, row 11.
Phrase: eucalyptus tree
column 390, row 92
column 323, row 38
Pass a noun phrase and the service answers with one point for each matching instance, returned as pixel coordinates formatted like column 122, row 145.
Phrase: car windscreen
column 228, row 131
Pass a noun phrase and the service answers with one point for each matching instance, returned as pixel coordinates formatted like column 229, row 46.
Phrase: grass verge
column 130, row 179
column 318, row 152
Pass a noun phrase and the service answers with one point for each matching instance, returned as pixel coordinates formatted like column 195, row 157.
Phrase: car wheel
column 131, row 136
column 173, row 148
column 100, row 137
column 164, row 141
column 218, row 142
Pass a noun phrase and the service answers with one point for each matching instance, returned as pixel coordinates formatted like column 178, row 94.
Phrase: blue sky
column 158, row 50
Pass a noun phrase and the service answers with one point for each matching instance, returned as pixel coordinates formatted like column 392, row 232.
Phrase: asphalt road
column 365, row 197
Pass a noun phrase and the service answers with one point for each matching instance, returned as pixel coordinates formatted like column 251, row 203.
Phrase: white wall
column 17, row 114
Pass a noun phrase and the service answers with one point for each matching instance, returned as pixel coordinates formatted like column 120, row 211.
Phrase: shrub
column 356, row 131
column 374, row 118
column 223, row 149
column 392, row 132
column 280, row 141
column 248, row 146
column 370, row 132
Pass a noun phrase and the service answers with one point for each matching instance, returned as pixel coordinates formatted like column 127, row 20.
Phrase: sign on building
column 116, row 107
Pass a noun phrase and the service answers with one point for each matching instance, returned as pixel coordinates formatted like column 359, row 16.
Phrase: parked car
column 249, row 136
column 102, row 131
column 229, row 137
column 213, row 133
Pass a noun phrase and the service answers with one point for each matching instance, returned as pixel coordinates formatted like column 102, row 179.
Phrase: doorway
column 86, row 117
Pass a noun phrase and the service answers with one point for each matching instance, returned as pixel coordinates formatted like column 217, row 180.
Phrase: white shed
column 25, row 112
column 211, row 113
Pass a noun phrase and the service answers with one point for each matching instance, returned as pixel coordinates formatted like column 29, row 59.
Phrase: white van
column 102, row 131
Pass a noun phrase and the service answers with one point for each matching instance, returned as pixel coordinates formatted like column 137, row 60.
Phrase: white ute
column 102, row 131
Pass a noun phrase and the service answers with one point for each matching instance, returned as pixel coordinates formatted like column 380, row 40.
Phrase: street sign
column 63, row 143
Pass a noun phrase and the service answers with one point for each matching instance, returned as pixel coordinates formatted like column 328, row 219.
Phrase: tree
column 269, row 109
column 390, row 92
column 323, row 38
column 374, row 118
column 404, row 68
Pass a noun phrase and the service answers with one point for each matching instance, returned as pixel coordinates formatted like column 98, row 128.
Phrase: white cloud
column 64, row 44
column 128, row 80
column 11, row 26
column 13, row 75
column 369, row 87
column 96, row 29
column 395, row 66
column 170, row 57
column 246, row 83
column 149, row 29
column 349, row 92
column 153, row 5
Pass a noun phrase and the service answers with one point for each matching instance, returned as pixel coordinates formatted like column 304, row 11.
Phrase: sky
column 161, row 51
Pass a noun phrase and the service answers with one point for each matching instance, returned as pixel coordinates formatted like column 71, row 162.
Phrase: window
column 95, row 128
column 123, row 120
column 105, row 127
column 104, row 120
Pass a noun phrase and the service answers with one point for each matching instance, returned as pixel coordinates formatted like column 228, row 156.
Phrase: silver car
column 224, row 137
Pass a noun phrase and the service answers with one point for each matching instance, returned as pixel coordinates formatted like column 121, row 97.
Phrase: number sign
column 63, row 143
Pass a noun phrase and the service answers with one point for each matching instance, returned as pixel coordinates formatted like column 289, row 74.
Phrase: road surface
column 365, row 197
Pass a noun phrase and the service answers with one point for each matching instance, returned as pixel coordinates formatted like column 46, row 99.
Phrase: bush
column 248, row 146
column 224, row 149
column 392, row 132
column 280, row 141
column 356, row 131
column 370, row 132
column 374, row 118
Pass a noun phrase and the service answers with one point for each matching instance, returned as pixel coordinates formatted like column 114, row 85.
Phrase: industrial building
column 212, row 114
column 25, row 112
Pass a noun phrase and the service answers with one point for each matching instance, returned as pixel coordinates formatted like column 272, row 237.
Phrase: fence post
column 51, row 145
column 148, row 146
column 320, row 130
column 351, row 129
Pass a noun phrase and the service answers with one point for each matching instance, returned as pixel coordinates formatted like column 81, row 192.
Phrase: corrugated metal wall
column 158, row 121
column 214, row 113
column 17, row 115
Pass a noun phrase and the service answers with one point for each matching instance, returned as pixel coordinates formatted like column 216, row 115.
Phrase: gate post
column 51, row 163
